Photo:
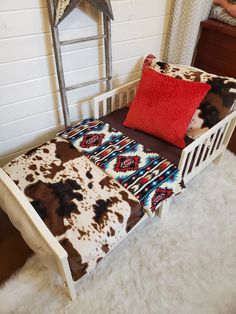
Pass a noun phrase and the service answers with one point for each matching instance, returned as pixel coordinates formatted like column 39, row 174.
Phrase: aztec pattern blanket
column 148, row 176
column 85, row 209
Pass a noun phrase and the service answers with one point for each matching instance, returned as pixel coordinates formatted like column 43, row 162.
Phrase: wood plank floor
column 14, row 252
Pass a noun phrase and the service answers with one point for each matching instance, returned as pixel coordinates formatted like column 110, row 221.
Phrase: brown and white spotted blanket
column 75, row 193
column 86, row 210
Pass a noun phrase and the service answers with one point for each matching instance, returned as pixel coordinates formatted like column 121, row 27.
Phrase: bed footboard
column 23, row 216
column 207, row 148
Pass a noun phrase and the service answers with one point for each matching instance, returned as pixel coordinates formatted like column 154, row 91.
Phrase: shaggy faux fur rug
column 183, row 263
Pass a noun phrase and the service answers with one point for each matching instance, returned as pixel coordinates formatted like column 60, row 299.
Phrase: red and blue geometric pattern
column 148, row 176
column 126, row 163
column 91, row 140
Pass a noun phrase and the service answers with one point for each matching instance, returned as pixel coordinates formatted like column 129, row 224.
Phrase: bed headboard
column 114, row 99
column 120, row 97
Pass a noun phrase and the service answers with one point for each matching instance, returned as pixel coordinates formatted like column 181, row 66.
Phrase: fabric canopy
column 65, row 7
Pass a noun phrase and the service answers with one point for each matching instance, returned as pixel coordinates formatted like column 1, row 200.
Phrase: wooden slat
column 48, row 107
column 213, row 139
column 104, row 105
column 84, row 84
column 120, row 100
column 41, row 67
column 196, row 157
column 204, row 149
column 36, row 21
column 124, row 11
column 12, row 5
column 113, row 103
column 27, row 140
column 188, row 164
column 224, row 133
column 46, row 85
column 81, row 40
column 96, row 110
column 219, row 139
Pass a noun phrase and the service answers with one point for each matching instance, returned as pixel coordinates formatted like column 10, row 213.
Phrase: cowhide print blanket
column 85, row 209
column 92, row 193
column 148, row 176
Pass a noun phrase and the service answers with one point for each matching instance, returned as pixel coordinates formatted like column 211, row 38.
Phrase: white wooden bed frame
column 213, row 143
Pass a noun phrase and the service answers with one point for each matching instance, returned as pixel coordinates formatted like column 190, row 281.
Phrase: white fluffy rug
column 183, row 263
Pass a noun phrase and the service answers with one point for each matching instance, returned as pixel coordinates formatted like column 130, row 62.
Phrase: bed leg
column 226, row 140
column 218, row 159
column 164, row 208
column 67, row 278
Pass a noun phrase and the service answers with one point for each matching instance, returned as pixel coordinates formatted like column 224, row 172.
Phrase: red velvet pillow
column 163, row 106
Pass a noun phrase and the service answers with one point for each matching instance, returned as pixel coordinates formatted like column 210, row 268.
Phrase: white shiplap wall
column 30, row 110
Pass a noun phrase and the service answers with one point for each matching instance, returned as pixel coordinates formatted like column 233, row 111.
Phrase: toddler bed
column 107, row 210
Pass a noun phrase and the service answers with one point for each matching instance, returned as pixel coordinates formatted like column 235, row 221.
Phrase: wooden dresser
column 216, row 53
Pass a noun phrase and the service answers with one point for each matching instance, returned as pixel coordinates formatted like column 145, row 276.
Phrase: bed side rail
column 208, row 147
column 23, row 216
column 114, row 99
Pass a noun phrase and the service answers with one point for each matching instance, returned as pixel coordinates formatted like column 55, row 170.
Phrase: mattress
column 87, row 210
column 156, row 145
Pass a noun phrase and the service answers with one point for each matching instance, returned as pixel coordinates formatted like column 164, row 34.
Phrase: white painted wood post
column 163, row 210
column 226, row 140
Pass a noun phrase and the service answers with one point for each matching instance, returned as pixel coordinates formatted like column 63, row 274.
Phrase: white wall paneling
column 30, row 109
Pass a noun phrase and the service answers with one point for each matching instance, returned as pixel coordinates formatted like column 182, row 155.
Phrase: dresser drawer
column 216, row 48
